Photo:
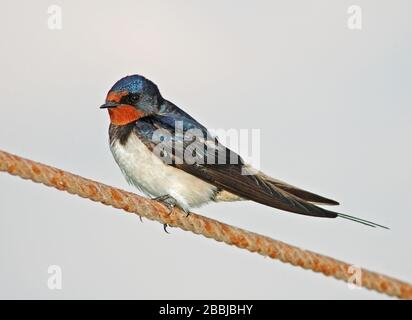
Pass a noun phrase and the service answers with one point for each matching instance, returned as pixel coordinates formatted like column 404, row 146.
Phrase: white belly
column 148, row 173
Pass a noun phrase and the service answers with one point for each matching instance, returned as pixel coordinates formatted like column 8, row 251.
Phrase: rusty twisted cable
column 153, row 210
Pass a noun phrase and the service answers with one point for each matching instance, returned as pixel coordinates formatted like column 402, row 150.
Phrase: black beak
column 109, row 105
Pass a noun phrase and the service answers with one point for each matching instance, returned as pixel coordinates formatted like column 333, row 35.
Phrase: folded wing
column 227, row 171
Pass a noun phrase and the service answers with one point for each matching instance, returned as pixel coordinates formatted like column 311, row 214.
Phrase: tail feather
column 300, row 193
column 315, row 199
column 359, row 220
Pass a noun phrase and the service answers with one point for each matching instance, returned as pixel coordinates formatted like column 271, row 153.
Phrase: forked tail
column 359, row 220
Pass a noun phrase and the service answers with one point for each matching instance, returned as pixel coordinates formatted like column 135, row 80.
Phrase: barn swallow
column 137, row 111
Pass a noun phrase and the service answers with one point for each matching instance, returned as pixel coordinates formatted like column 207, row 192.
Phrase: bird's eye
column 134, row 97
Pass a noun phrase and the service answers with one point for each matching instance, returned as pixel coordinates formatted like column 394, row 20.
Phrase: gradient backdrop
column 333, row 105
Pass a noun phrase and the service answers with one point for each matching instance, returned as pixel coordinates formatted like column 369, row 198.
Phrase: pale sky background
column 333, row 105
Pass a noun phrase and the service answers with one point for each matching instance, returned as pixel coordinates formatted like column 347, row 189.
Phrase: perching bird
column 190, row 172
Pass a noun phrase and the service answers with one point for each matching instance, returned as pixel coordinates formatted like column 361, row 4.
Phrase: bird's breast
column 152, row 176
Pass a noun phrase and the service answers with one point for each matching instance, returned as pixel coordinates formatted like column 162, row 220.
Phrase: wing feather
column 227, row 176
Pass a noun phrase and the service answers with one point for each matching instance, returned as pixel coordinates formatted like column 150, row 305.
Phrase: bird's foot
column 170, row 203
column 167, row 201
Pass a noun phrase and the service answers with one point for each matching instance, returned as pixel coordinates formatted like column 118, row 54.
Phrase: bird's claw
column 170, row 203
column 167, row 201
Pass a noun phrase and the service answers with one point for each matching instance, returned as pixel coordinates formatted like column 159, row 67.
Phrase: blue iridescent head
column 132, row 97
column 135, row 84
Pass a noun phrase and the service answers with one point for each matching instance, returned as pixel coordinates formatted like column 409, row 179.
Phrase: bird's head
column 132, row 98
